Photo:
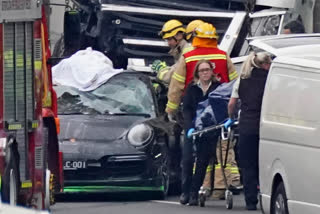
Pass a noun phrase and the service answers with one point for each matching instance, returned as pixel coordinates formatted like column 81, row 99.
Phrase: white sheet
column 85, row 70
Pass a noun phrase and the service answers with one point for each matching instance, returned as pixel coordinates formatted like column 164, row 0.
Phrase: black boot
column 193, row 199
column 184, row 198
column 251, row 207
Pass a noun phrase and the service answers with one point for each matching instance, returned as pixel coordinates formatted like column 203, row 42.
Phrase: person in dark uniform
column 251, row 88
column 204, row 82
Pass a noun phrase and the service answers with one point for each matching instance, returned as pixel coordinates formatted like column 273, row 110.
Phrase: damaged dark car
column 115, row 138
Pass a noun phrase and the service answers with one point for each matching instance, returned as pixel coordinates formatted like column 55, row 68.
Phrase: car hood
column 96, row 128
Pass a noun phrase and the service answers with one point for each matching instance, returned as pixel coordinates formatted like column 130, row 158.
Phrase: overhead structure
column 130, row 29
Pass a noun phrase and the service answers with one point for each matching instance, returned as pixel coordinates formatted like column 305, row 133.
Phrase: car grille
column 110, row 168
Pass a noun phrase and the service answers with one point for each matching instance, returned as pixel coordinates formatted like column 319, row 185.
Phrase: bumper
column 133, row 185
column 115, row 186
column 116, row 174
column 265, row 202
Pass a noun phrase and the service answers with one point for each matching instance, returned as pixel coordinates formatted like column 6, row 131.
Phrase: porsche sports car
column 115, row 138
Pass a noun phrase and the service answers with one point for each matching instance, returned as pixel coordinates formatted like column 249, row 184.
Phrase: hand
column 158, row 65
column 228, row 123
column 189, row 133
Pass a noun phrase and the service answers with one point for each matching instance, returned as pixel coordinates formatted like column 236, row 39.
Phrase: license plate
column 73, row 165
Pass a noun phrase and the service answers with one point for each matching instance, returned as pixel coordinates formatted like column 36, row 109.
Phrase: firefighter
column 173, row 32
column 205, row 47
column 190, row 29
column 164, row 72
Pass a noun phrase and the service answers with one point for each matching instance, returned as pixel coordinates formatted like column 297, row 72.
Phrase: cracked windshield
column 121, row 94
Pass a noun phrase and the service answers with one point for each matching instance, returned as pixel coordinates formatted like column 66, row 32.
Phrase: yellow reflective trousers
column 231, row 170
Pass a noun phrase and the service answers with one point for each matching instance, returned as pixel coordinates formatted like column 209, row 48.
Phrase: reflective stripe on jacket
column 183, row 73
column 215, row 55
column 166, row 73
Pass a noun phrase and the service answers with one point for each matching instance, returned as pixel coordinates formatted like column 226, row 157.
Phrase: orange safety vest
column 215, row 55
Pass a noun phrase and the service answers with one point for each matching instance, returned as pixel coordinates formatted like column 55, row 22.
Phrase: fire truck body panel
column 22, row 87
column 19, row 10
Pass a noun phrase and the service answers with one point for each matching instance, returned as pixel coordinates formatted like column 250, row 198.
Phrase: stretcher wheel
column 202, row 200
column 229, row 200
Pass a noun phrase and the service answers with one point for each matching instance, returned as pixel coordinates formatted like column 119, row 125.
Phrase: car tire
column 46, row 171
column 165, row 178
column 48, row 190
column 279, row 201
column 174, row 165
column 10, row 181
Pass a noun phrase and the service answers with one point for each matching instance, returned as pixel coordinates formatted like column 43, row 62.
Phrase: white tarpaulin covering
column 85, row 70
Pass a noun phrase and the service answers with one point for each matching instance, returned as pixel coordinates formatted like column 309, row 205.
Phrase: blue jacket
column 193, row 96
column 214, row 110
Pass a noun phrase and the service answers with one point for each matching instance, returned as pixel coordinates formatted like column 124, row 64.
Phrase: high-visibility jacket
column 215, row 55
column 183, row 74
column 165, row 74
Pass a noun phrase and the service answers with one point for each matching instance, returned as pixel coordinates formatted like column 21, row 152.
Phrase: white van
column 289, row 153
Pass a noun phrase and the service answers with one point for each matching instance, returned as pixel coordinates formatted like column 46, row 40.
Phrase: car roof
column 282, row 36
column 285, row 44
column 305, row 58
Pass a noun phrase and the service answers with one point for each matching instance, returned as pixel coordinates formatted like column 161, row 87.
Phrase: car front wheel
column 165, row 177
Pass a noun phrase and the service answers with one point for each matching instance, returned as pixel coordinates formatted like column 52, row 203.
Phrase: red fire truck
column 30, row 169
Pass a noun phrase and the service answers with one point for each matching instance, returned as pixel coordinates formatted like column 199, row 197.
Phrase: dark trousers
column 205, row 150
column 249, row 163
column 187, row 165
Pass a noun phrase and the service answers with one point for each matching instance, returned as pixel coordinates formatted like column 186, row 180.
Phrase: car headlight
column 140, row 134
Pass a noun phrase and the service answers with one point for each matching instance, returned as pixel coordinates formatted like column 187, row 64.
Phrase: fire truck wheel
column 47, row 190
column 10, row 183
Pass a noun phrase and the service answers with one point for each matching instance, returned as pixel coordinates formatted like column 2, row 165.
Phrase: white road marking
column 166, row 202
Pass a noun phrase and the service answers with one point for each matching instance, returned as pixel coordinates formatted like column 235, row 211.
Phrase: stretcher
column 228, row 135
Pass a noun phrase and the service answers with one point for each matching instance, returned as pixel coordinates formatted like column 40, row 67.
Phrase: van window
column 289, row 94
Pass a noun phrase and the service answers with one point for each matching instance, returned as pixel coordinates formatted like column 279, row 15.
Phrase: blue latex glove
column 190, row 131
column 228, row 123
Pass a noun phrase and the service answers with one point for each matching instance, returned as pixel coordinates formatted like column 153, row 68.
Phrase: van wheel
column 279, row 201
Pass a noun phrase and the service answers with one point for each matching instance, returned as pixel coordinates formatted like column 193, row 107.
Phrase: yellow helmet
column 191, row 26
column 206, row 30
column 171, row 28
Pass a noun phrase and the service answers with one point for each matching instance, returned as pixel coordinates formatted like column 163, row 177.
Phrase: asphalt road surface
column 134, row 203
